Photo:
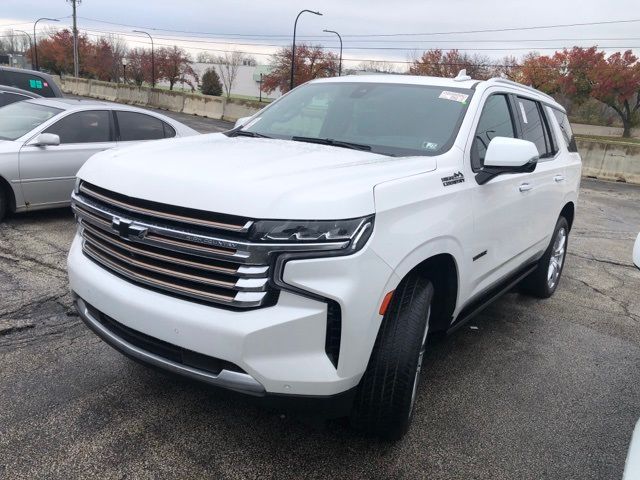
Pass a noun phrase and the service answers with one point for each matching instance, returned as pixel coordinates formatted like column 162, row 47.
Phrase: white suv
column 308, row 254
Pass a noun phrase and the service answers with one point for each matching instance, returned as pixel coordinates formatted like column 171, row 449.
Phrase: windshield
column 22, row 117
column 390, row 118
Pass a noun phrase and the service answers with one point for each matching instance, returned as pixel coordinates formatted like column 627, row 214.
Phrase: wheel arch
column 5, row 187
column 569, row 212
column 442, row 270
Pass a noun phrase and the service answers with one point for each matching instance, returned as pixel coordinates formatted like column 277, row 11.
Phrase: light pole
column 153, row 61
column 293, row 48
column 340, row 38
column 35, row 40
column 124, row 69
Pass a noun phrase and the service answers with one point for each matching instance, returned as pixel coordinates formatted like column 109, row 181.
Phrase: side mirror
column 46, row 140
column 636, row 252
column 508, row 155
column 241, row 121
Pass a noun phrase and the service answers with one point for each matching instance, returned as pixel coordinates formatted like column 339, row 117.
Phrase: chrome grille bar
column 92, row 193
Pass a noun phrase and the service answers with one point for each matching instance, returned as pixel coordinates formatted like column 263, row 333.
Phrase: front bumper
column 280, row 349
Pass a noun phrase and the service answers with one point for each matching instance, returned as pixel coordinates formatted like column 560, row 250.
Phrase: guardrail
column 203, row 105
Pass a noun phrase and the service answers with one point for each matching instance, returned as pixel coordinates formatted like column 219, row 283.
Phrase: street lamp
column 35, row 40
column 124, row 69
column 339, row 64
column 293, row 48
column 153, row 61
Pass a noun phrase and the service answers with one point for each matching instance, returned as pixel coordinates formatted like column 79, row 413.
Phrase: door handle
column 525, row 187
column 558, row 178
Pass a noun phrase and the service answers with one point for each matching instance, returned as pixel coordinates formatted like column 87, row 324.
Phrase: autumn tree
column 310, row 62
column 575, row 67
column 615, row 81
column 174, row 65
column 139, row 66
column 541, row 72
column 55, row 53
column 103, row 59
column 437, row 63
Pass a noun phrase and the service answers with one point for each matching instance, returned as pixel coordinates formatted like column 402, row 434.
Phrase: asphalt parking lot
column 540, row 389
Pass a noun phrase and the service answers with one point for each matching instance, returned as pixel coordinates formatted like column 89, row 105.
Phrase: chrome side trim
column 239, row 382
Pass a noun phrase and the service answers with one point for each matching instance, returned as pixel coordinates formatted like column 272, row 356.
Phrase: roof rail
column 516, row 84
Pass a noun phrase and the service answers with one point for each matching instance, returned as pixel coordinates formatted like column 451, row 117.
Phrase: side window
column 31, row 82
column 6, row 98
column 92, row 126
column 533, row 126
column 169, row 131
column 138, row 126
column 495, row 121
column 565, row 127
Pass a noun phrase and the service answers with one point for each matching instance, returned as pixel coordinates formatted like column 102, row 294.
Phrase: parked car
column 44, row 142
column 309, row 254
column 30, row 80
column 11, row 95
column 632, row 465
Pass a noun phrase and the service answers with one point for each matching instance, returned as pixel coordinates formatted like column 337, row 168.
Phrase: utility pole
column 76, row 63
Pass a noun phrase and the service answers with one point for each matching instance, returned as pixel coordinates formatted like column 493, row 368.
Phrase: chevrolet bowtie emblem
column 127, row 229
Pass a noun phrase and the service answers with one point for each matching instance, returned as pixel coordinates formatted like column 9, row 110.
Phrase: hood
column 252, row 177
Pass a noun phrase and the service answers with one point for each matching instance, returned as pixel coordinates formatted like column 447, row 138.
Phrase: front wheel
column 387, row 392
column 543, row 281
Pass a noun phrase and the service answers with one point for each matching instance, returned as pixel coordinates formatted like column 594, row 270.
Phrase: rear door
column 48, row 173
column 548, row 180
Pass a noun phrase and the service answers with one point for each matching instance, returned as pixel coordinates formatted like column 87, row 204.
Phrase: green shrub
column 211, row 83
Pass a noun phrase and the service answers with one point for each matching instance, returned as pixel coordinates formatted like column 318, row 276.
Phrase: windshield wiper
column 246, row 133
column 333, row 143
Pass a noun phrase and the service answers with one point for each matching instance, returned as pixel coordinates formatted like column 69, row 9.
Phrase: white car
column 308, row 254
column 44, row 142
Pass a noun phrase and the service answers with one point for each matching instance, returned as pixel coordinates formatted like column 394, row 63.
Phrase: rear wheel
column 543, row 281
column 387, row 393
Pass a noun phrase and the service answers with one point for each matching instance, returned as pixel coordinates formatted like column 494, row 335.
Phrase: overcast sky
column 242, row 21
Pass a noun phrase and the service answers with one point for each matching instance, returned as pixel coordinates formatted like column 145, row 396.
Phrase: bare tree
column 205, row 57
column 379, row 66
column 228, row 65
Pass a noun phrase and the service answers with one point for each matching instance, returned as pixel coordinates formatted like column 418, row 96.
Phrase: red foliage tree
column 55, row 53
column 174, row 65
column 541, row 72
column 310, row 62
column 575, row 67
column 615, row 81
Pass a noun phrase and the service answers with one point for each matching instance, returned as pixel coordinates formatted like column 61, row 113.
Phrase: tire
column 386, row 395
column 544, row 280
column 4, row 200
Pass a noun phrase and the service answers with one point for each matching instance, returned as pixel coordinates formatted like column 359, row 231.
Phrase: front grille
column 163, row 349
column 185, row 252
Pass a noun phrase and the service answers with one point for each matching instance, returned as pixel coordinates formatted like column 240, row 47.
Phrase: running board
column 488, row 298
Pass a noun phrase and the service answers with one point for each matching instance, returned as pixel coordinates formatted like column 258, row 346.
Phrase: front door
column 47, row 174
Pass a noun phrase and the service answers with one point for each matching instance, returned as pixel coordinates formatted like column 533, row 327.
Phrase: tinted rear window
column 565, row 127
column 27, row 80
column 6, row 98
column 138, row 126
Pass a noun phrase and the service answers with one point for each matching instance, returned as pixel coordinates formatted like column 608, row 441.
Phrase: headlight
column 351, row 233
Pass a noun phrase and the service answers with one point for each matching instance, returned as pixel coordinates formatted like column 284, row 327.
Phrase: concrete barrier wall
column 583, row 129
column 194, row 104
column 610, row 161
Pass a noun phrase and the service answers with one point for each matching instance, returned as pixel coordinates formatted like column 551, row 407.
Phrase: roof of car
column 446, row 82
column 27, row 93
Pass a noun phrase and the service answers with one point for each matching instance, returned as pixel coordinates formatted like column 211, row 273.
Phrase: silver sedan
column 44, row 142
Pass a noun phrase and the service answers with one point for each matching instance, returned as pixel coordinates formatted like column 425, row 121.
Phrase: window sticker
column 35, row 84
column 429, row 146
column 455, row 96
column 524, row 115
